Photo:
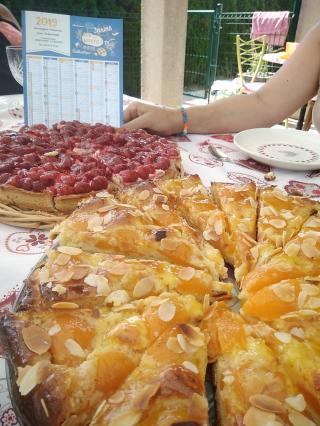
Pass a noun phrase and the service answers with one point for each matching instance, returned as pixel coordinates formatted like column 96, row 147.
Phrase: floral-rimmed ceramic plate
column 284, row 148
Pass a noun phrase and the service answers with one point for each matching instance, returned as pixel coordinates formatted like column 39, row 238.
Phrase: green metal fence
column 131, row 38
column 211, row 52
column 198, row 58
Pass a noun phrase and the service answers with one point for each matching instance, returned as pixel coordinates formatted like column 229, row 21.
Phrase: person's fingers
column 141, row 122
column 130, row 112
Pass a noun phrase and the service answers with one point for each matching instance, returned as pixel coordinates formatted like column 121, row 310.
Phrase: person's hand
column 157, row 119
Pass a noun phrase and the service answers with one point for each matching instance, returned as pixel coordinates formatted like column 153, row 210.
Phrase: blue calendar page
column 73, row 68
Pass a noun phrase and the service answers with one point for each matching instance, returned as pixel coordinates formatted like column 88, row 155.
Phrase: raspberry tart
column 52, row 169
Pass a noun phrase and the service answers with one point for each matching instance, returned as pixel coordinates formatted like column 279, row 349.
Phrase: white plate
column 284, row 148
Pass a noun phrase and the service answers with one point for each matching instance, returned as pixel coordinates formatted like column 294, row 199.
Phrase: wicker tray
column 14, row 216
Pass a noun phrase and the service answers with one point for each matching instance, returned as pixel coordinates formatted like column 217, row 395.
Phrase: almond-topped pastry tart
column 107, row 226
column 261, row 375
column 52, row 169
column 281, row 217
column 300, row 257
column 168, row 386
column 117, row 324
column 68, row 360
column 240, row 205
column 193, row 200
column 92, row 280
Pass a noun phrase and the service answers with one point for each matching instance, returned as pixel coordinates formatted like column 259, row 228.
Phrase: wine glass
column 14, row 55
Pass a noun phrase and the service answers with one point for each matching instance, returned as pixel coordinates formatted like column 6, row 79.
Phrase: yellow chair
column 308, row 114
column 250, row 58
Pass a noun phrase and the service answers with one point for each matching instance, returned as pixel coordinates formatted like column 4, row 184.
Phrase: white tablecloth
column 21, row 248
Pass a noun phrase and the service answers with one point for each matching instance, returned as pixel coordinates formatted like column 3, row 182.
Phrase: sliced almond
column 190, row 366
column 210, row 235
column 36, row 339
column 302, row 297
column 71, row 251
column 267, row 403
column 278, row 223
column 118, row 297
column 298, row 419
column 310, row 289
column 256, row 417
column 169, row 244
column 63, row 276
column 192, row 334
column 301, row 312
column 79, row 272
column 173, row 345
column 298, row 332
column 55, row 329
column 313, row 222
column 142, row 400
column 92, row 280
column 284, row 291
column 33, row 376
column 283, row 337
column 144, row 195
column 253, row 203
column 157, row 190
column 124, row 307
column 103, row 288
column 309, row 249
column 94, row 222
column 143, row 287
column 228, row 379
column 165, row 207
column 218, row 227
column 44, row 275
column 117, row 397
column 120, row 269
column 292, row 249
column 186, row 274
column 60, row 289
column 74, row 348
column 185, row 345
column 62, row 259
column 281, row 195
column 297, row 402
column 287, row 215
column 166, row 311
column 64, row 305
column 312, row 303
column 186, row 192
column 45, row 408
column 103, row 194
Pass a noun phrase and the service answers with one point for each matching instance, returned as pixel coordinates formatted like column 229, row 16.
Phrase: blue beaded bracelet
column 185, row 119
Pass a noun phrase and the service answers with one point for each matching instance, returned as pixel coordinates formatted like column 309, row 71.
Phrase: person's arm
column 292, row 86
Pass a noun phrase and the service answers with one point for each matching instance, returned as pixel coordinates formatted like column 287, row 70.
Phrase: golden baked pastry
column 90, row 280
column 116, row 326
column 105, row 225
